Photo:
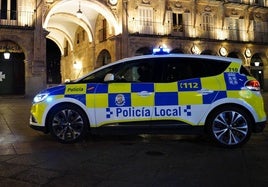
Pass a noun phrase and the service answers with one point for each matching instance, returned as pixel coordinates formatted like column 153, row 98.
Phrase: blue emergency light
column 161, row 51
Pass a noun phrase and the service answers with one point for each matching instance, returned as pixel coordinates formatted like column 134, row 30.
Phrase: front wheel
column 230, row 126
column 67, row 123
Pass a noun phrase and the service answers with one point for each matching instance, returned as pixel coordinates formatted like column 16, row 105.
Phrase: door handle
column 144, row 93
column 205, row 91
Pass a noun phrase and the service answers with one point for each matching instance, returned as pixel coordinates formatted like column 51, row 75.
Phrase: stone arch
column 234, row 54
column 25, row 42
column 143, row 51
column 177, row 50
column 68, row 8
column 256, row 68
column 207, row 52
column 103, row 58
column 12, row 68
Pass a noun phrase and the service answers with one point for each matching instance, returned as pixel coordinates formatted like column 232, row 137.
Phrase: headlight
column 40, row 97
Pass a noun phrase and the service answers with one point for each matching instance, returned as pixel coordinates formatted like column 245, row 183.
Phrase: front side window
column 98, row 77
column 138, row 71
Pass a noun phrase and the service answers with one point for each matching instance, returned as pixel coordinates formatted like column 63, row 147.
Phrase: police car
column 162, row 94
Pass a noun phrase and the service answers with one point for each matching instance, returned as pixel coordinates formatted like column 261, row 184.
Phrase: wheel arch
column 61, row 104
column 229, row 105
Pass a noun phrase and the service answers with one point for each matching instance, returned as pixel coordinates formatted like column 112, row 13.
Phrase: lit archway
column 256, row 68
column 61, row 20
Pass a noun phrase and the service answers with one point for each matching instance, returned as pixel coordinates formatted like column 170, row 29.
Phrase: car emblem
column 120, row 100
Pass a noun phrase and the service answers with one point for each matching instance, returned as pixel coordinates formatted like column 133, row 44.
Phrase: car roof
column 211, row 57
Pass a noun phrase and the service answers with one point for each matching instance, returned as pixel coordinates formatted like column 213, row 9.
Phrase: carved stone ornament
column 234, row 12
column 248, row 53
column 207, row 9
column 258, row 15
column 178, row 5
column 146, row 1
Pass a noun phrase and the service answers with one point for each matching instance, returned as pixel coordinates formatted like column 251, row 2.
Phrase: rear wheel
column 68, row 123
column 230, row 126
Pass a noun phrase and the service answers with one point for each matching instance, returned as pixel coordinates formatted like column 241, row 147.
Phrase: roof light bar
column 161, row 51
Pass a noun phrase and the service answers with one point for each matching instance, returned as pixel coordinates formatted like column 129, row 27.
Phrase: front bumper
column 39, row 128
column 34, row 125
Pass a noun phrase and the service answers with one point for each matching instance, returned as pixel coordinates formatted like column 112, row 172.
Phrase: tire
column 68, row 123
column 230, row 126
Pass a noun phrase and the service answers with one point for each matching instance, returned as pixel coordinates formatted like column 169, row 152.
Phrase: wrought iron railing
column 200, row 31
column 19, row 19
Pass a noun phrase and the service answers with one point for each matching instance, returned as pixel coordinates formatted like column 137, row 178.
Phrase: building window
column 66, row 49
column 177, row 22
column 146, row 20
column 208, row 22
column 233, row 28
column 13, row 9
column 77, row 38
column 83, row 35
column 103, row 31
column 9, row 9
column 4, row 9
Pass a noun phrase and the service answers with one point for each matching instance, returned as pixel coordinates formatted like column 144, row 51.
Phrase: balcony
column 189, row 31
column 17, row 19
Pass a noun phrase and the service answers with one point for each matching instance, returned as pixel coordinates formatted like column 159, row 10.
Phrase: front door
column 130, row 97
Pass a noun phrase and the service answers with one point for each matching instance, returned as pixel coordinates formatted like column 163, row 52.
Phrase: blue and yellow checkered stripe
column 102, row 95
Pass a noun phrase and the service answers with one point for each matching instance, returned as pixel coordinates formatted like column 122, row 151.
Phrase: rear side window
column 209, row 67
column 176, row 69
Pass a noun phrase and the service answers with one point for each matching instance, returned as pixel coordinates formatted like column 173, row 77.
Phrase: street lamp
column 79, row 12
column 6, row 55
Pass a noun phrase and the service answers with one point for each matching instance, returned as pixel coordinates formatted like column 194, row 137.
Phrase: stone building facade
column 92, row 33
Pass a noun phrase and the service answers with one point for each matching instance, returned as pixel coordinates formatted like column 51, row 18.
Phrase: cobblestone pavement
column 31, row 158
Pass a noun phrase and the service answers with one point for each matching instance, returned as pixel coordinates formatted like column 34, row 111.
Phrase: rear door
column 186, row 92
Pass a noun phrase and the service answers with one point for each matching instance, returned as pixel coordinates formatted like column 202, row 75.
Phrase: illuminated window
column 146, row 20
column 208, row 22
column 233, row 28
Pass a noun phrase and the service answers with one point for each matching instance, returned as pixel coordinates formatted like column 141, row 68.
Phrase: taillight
column 253, row 85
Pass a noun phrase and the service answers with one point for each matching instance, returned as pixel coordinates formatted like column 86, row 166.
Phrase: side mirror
column 67, row 80
column 109, row 77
